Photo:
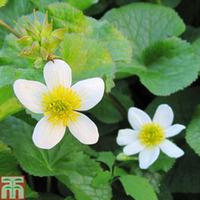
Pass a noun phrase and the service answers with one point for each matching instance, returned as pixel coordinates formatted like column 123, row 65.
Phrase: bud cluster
column 38, row 40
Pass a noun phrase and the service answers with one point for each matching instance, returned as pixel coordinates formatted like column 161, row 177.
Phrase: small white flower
column 148, row 136
column 60, row 103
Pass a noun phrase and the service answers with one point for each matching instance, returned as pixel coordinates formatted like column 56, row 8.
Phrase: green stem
column 9, row 28
column 117, row 104
column 48, row 183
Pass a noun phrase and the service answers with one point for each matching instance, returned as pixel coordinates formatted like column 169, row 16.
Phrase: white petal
column 171, row 149
column 148, row 156
column 126, row 136
column 133, row 148
column 174, row 130
column 137, row 118
column 84, row 129
column 164, row 116
column 46, row 135
column 57, row 73
column 91, row 92
column 30, row 94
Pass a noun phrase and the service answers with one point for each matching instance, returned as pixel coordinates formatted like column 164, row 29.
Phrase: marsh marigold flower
column 60, row 104
column 148, row 136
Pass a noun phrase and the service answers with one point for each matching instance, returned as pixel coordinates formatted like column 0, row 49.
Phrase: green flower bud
column 123, row 157
column 39, row 40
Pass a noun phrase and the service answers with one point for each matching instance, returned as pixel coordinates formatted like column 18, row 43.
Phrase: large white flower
column 60, row 103
column 148, row 136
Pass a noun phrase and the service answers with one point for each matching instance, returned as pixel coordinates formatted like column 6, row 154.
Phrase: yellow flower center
column 59, row 105
column 151, row 135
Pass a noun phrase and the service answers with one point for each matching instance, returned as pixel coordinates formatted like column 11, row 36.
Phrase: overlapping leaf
column 158, row 58
column 143, row 24
column 69, row 160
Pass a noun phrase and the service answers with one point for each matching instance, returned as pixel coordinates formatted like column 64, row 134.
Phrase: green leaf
column 138, row 187
column 3, row 3
column 13, row 66
column 193, row 132
column 9, row 54
column 8, row 163
column 72, row 19
column 119, row 171
column 65, row 15
column 164, row 63
column 15, row 9
column 143, row 23
column 87, row 180
column 8, row 103
column 66, row 160
column 9, row 74
column 107, row 158
column 102, row 178
column 156, row 56
column 69, row 160
column 80, row 4
column 118, row 46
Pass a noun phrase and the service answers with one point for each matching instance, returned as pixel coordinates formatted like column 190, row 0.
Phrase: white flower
column 60, row 103
column 148, row 136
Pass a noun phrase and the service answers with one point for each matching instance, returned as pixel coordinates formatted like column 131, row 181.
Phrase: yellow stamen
column 151, row 135
column 59, row 105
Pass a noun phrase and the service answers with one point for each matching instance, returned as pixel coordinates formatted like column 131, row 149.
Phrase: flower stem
column 48, row 183
column 117, row 104
column 9, row 28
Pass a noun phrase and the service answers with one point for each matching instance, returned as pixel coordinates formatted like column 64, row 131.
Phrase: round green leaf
column 144, row 23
